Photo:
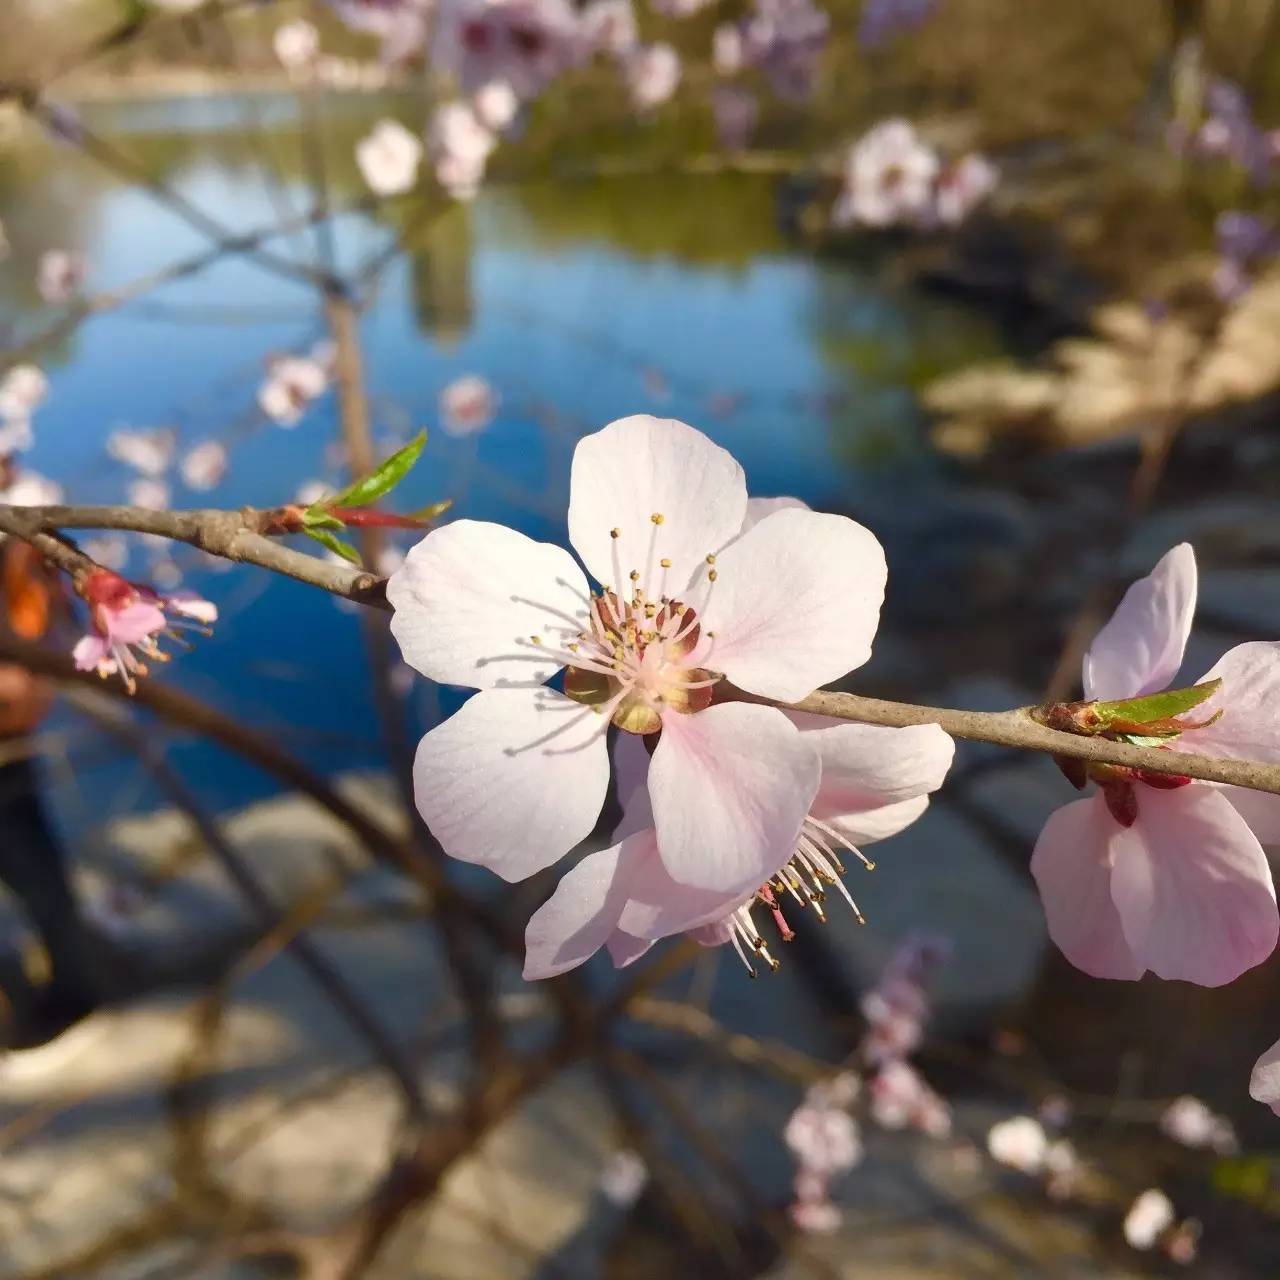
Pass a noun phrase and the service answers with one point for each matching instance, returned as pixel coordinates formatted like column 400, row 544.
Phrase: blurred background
column 1028, row 399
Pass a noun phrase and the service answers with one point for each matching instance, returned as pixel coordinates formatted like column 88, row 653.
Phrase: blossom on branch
column 460, row 145
column 296, row 45
column 653, row 75
column 203, row 466
column 389, row 158
column 149, row 452
column 292, row 383
column 467, row 405
column 682, row 603
column 1157, row 872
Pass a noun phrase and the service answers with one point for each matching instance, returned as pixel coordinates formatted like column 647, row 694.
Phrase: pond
column 579, row 302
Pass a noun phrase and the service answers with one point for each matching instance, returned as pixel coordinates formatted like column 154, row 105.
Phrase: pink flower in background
column 889, row 178
column 728, row 56
column 609, row 27
column 654, row 506
column 623, row 1178
column 900, row 1099
column 149, row 452
column 1264, row 1083
column 653, row 75
column 785, row 39
column 401, row 25
column 60, row 273
column 736, row 113
column 296, row 45
column 389, row 158
column 460, row 146
column 467, row 405
column 204, row 465
column 495, row 105
column 897, row 1006
column 824, row 1139
column 962, row 187
column 1149, row 873
column 291, row 384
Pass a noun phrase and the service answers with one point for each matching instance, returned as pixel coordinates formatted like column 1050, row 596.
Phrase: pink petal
column 641, row 466
column 1072, row 869
column 1259, row 809
column 795, row 604
column 469, row 597
column 581, row 916
column 658, row 906
column 866, row 826
column 134, row 623
column 1193, row 887
column 89, row 651
column 730, row 787
column 514, row 780
column 631, row 774
column 1264, row 1083
column 1249, row 699
column 625, row 950
column 1140, row 649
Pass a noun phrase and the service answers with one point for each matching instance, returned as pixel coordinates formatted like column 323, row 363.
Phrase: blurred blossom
column 177, row 6
column 16, row 436
column 728, row 56
column 1158, row 873
column 460, row 146
column 60, row 274
column 110, row 550
column 63, row 123
column 1149, row 1217
column 390, row 558
column 31, row 489
column 291, row 384
column 22, row 391
column 962, row 187
column 653, row 75
column 900, row 1099
column 815, row 1213
column 609, row 27
column 1264, row 1083
column 824, row 1140
column 401, row 25
column 149, row 452
column 524, row 43
column 1245, row 241
column 402, row 679
column 467, row 405
column 1183, row 1243
column 1020, row 1143
column 203, row 466
column 785, row 39
column 310, row 491
column 1055, row 1112
column 841, row 1090
column 496, row 105
column 889, row 178
column 897, row 1006
column 1063, row 1169
column 389, row 158
column 1229, row 131
column 736, row 113
column 296, row 44
column 881, row 20
column 623, row 1178
column 165, row 573
column 149, row 494
column 679, row 8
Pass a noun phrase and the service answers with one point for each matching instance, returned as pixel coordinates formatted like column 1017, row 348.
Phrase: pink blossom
column 653, row 75
column 401, row 25
column 609, row 27
column 1141, row 877
column 1190, row 1122
column 1149, row 1217
column 149, row 452
column 204, row 465
column 460, row 146
column 292, row 383
column 817, row 1216
column 495, row 105
column 1264, row 1083
column 679, row 8
column 467, row 405
column 525, row 43
column 889, row 178
column 900, row 1099
column 127, row 619
column 728, row 56
column 962, row 187
column 824, row 1140
column 296, row 45
column 60, row 274
column 785, row 39
column 389, row 158
column 623, row 1178
column 654, row 506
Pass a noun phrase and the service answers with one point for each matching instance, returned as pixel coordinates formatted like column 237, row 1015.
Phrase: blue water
column 573, row 327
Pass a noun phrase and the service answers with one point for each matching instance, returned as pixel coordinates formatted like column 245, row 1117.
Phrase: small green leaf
column 380, row 481
column 326, row 539
column 433, row 511
column 1157, row 706
column 1141, row 740
column 318, row 518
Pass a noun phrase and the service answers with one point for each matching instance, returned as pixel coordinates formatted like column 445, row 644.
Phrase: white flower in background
column 401, row 25
column 900, row 1099
column 149, row 452
column 341, row 74
column 525, row 43
column 297, row 45
column 824, row 1140
column 1190, row 1122
column 728, row 56
column 165, row 573
column 22, row 391
column 151, row 495
column 204, row 465
column 1149, row 1217
column 60, row 274
column 1020, row 1143
column 963, row 187
column 889, row 178
column 310, row 491
column 467, row 405
column 292, row 383
column 496, row 105
column 390, row 558
column 609, row 27
column 460, row 146
column 623, row 1178
column 389, row 158
column 110, row 550
column 31, row 489
column 652, row 74
column 16, row 436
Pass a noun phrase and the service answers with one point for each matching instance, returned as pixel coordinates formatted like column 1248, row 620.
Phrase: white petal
column 658, row 906
column 758, row 508
column 730, row 787
column 869, row 825
column 639, row 467
column 1140, row 649
column 1072, row 869
column 1193, row 887
column 795, row 604
column 581, row 916
column 1264, row 1083
column 1249, row 699
column 514, row 780
column 866, row 766
column 469, row 598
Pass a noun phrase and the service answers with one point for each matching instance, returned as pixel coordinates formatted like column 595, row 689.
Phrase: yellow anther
column 711, row 559
column 657, row 517
column 634, row 575
column 711, row 575
column 615, row 533
column 666, row 564
column 536, row 639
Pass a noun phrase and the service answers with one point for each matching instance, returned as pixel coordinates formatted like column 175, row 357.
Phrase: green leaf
column 432, row 511
column 326, row 539
column 1157, row 706
column 1141, row 740
column 379, row 482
